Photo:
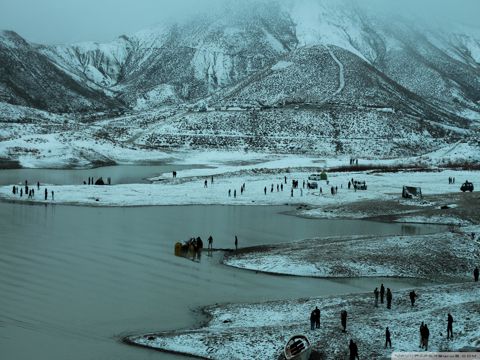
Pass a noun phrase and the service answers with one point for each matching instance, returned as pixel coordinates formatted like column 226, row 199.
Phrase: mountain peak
column 12, row 39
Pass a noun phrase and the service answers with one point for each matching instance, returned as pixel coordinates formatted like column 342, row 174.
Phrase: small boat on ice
column 298, row 348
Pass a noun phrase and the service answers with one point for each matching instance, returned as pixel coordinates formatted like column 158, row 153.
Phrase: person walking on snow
column 450, row 326
column 426, row 335
column 312, row 320
column 317, row 317
column 382, row 293
column 343, row 318
column 413, row 296
column 388, row 340
column 421, row 335
column 353, row 350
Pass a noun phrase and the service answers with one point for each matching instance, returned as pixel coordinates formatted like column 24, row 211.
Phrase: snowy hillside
column 31, row 79
column 195, row 57
column 322, row 76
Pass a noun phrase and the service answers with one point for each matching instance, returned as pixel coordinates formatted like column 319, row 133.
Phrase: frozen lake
column 73, row 280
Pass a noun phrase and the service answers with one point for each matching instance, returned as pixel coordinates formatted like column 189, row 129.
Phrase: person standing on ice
column 388, row 340
column 235, row 193
column 376, row 293
column 236, row 242
column 389, row 298
column 285, row 178
column 229, row 192
column 413, row 296
column 382, row 293
column 53, row 195
column 205, row 184
column 265, row 190
column 38, row 185
column 343, row 319
column 450, row 326
column 46, row 193
column 475, row 274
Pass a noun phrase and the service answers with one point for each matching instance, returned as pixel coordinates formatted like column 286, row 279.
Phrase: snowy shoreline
column 259, row 331
column 261, row 188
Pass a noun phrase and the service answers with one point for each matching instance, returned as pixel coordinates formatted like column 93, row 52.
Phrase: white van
column 315, row 177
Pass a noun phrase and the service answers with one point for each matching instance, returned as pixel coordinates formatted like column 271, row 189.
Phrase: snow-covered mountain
column 27, row 77
column 189, row 60
column 180, row 61
column 332, row 61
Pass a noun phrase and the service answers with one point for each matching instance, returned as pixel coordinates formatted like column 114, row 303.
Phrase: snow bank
column 448, row 255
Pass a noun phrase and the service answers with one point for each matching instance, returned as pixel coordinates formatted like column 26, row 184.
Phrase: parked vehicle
column 315, row 177
column 467, row 186
column 410, row 192
column 298, row 348
column 312, row 185
column 359, row 185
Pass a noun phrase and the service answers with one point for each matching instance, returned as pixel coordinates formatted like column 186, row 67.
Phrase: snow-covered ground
column 259, row 331
column 447, row 256
column 188, row 187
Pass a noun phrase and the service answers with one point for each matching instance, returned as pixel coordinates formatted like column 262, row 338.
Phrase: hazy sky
column 65, row 21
